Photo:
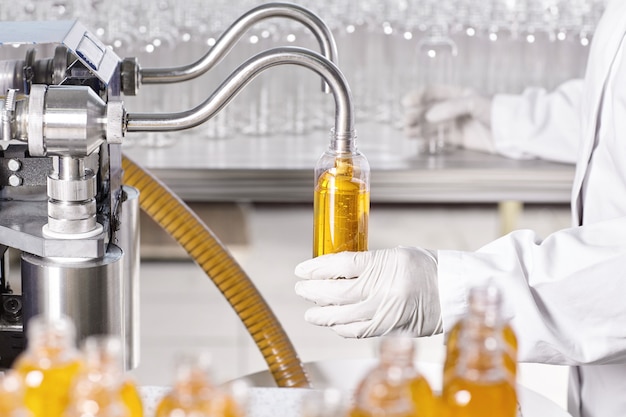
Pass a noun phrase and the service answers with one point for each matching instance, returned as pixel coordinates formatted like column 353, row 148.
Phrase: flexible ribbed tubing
column 175, row 217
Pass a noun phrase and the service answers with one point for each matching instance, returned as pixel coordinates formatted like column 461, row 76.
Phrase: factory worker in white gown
column 565, row 293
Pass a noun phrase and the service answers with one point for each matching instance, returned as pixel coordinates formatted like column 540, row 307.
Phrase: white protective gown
column 566, row 292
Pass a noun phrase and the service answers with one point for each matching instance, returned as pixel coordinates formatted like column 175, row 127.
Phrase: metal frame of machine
column 62, row 201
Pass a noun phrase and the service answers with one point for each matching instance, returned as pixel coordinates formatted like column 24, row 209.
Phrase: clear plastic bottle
column 12, row 396
column 102, row 382
column 478, row 382
column 194, row 394
column 342, row 199
column 485, row 304
column 48, row 365
column 394, row 388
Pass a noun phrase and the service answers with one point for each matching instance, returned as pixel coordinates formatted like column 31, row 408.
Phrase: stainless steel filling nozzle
column 344, row 111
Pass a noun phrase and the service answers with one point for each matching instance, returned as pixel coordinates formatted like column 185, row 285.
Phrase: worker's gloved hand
column 465, row 114
column 364, row 294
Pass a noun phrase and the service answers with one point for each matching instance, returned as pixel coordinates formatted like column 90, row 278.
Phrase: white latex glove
column 466, row 115
column 365, row 294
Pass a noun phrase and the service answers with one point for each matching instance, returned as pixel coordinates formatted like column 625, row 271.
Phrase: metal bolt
column 14, row 165
column 15, row 181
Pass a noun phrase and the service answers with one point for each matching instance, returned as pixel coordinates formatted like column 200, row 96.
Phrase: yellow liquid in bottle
column 509, row 356
column 225, row 405
column 189, row 398
column 12, row 395
column 172, row 407
column 424, row 400
column 463, row 398
column 47, row 384
column 413, row 398
column 131, row 398
column 341, row 214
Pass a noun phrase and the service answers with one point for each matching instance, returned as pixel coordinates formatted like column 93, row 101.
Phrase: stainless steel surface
column 115, row 114
column 33, row 121
column 79, row 186
column 127, row 238
column 344, row 111
column 71, row 197
column 280, row 169
column 21, row 227
column 231, row 35
column 91, row 292
column 11, row 75
column 74, row 121
column 101, row 61
column 69, row 264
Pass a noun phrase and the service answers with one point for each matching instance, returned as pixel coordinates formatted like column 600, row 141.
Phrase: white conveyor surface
column 268, row 401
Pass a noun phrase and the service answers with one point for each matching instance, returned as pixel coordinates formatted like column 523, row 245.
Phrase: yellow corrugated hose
column 175, row 217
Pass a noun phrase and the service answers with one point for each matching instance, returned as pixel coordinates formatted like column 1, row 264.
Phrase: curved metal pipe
column 344, row 110
column 228, row 39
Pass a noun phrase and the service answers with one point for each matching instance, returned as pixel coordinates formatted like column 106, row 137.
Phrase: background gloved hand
column 466, row 114
column 364, row 294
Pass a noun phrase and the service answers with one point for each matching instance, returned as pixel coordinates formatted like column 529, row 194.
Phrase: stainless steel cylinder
column 71, row 197
column 91, row 292
column 65, row 120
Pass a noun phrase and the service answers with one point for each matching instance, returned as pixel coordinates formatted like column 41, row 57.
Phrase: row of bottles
column 53, row 378
column 478, row 377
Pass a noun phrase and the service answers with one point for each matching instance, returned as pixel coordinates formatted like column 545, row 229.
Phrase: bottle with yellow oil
column 484, row 306
column 342, row 198
column 102, row 382
column 394, row 388
column 193, row 393
column 479, row 380
column 48, row 365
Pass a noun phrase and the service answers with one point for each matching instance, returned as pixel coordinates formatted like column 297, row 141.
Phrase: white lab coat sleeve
column 564, row 295
column 539, row 124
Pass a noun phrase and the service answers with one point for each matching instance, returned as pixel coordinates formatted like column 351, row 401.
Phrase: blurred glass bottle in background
column 194, row 394
column 480, row 367
column 394, row 388
column 48, row 365
column 436, row 65
column 102, row 389
column 484, row 309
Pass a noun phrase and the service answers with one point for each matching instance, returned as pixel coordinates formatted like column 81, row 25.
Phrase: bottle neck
column 343, row 143
column 104, row 354
column 51, row 337
column 397, row 352
column 481, row 338
column 481, row 356
column 193, row 374
column 485, row 306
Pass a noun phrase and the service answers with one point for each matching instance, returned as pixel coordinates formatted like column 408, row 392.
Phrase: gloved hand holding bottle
column 465, row 115
column 373, row 293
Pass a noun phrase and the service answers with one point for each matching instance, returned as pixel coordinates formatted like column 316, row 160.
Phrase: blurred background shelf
column 280, row 169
